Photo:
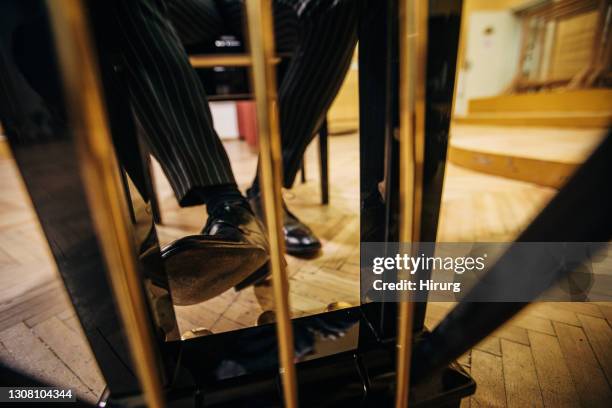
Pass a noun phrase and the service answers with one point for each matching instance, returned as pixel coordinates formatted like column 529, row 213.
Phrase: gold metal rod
column 222, row 60
column 261, row 42
column 212, row 60
column 103, row 186
column 412, row 77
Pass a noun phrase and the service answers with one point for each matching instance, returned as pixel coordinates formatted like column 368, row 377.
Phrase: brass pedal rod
column 261, row 43
column 412, row 78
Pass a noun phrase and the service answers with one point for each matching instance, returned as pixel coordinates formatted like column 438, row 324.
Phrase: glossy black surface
column 33, row 115
column 300, row 241
column 442, row 45
column 340, row 362
column 344, row 357
column 379, row 159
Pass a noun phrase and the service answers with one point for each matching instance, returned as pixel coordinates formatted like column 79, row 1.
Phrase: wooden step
column 544, row 156
column 590, row 108
column 543, row 119
column 588, row 100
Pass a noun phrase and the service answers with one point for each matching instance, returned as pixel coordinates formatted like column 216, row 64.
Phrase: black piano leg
column 323, row 162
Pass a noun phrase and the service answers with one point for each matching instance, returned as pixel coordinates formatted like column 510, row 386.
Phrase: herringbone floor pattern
column 553, row 354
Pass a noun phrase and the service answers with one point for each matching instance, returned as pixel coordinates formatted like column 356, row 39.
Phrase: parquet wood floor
column 553, row 354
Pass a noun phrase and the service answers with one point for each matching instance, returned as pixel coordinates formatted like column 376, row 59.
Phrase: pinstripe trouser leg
column 321, row 36
column 169, row 101
column 327, row 37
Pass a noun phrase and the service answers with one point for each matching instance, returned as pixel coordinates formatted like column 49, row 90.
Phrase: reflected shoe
column 300, row 241
column 232, row 250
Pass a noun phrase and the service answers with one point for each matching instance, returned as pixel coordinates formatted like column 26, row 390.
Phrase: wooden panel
column 467, row 401
column 53, row 298
column 529, row 322
column 589, row 309
column 522, row 387
column 606, row 310
column 74, row 325
column 573, row 45
column 600, row 337
column 590, row 382
column 30, row 355
column 513, row 333
column 552, row 312
column 554, row 377
column 488, row 374
column 223, row 60
column 541, row 172
column 541, row 156
column 539, row 119
column 590, row 100
column 73, row 351
column 490, row 345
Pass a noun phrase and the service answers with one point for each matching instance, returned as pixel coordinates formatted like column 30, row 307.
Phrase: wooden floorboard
column 554, row 378
column 599, row 334
column 589, row 379
column 487, row 371
column 555, row 354
column 520, row 378
column 72, row 351
column 491, row 345
column 30, row 354
column 513, row 333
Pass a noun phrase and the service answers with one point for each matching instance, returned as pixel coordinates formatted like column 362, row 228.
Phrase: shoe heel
column 257, row 277
column 253, row 279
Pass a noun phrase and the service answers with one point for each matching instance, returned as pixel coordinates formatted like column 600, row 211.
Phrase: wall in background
column 478, row 6
column 490, row 57
column 225, row 119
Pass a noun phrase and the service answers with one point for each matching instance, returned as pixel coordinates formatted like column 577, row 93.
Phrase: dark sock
column 215, row 195
column 254, row 190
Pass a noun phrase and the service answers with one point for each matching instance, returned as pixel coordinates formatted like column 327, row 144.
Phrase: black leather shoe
column 299, row 239
column 232, row 250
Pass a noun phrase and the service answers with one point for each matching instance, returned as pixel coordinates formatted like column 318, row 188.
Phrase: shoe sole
column 200, row 269
column 305, row 252
column 255, row 278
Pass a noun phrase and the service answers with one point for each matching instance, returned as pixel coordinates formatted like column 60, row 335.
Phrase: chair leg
column 303, row 171
column 323, row 162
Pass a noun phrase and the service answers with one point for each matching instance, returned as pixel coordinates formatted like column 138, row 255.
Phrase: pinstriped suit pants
column 169, row 100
